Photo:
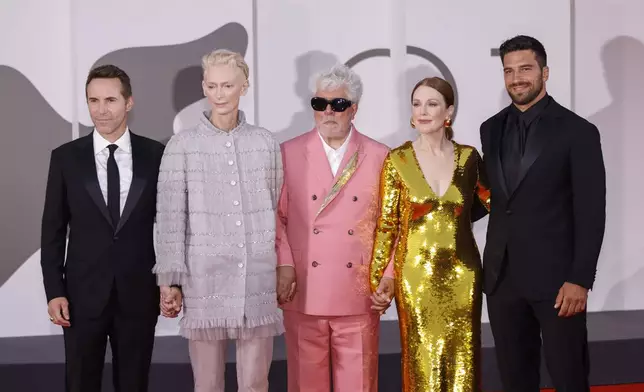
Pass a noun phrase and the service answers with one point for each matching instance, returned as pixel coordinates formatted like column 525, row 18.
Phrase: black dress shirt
column 518, row 126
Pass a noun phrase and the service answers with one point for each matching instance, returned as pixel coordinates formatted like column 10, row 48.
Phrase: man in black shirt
column 546, row 226
column 518, row 126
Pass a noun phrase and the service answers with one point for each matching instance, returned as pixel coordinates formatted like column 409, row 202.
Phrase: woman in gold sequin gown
column 436, row 260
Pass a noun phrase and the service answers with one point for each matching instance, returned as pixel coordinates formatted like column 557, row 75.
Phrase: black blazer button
column 509, row 212
column 314, row 264
column 115, row 238
column 349, row 265
column 316, row 231
column 350, row 231
column 314, row 197
column 355, row 198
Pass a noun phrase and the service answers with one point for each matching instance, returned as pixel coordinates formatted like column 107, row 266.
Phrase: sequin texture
column 437, row 267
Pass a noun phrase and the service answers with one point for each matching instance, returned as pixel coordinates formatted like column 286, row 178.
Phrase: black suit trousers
column 523, row 327
column 131, row 338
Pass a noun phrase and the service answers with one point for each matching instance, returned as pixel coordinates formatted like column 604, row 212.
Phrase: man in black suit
column 546, row 226
column 102, row 188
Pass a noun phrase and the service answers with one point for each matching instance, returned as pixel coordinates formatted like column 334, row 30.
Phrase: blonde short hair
column 224, row 57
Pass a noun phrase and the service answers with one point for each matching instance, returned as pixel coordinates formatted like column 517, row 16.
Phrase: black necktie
column 513, row 152
column 113, row 187
column 522, row 135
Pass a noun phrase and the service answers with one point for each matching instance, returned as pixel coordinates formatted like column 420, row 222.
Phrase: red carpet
column 612, row 388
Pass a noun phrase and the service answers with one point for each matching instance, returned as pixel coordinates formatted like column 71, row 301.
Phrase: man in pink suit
column 326, row 218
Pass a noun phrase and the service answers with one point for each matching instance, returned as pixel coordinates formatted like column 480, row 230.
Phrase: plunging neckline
column 422, row 174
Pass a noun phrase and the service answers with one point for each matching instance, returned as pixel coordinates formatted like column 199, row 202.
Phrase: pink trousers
column 344, row 348
column 253, row 363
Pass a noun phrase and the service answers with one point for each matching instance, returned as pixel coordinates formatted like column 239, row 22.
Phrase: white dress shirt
column 335, row 156
column 123, row 157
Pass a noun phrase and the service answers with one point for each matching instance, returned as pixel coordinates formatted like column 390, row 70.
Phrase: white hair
column 224, row 57
column 339, row 76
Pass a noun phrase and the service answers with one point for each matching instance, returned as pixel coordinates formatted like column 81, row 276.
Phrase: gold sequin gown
column 437, row 268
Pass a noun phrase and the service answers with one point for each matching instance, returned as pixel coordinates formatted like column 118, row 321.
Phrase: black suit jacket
column 550, row 228
column 99, row 255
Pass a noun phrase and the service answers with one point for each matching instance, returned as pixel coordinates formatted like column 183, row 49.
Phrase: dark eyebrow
column 96, row 98
column 524, row 65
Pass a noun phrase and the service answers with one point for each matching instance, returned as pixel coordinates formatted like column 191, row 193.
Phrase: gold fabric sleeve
column 388, row 222
column 482, row 184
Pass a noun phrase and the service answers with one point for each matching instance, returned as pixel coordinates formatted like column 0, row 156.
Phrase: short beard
column 530, row 95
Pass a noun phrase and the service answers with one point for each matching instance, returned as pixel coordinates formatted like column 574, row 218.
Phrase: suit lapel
column 496, row 130
column 545, row 130
column 138, row 179
column 90, row 178
column 353, row 156
column 352, row 148
column 317, row 160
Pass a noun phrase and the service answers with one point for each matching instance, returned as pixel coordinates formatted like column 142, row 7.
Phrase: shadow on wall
column 307, row 65
column 31, row 129
column 167, row 79
column 620, row 125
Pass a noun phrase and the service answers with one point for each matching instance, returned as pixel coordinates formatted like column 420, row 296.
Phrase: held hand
column 286, row 285
column 177, row 302
column 381, row 299
column 571, row 299
column 171, row 301
column 58, row 309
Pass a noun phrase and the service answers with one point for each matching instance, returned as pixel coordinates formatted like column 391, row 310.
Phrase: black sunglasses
column 319, row 104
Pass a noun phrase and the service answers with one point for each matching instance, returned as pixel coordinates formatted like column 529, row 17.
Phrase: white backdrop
column 609, row 91
column 291, row 40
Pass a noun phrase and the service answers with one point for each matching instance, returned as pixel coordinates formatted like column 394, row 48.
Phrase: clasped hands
column 171, row 301
column 286, row 285
column 381, row 298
